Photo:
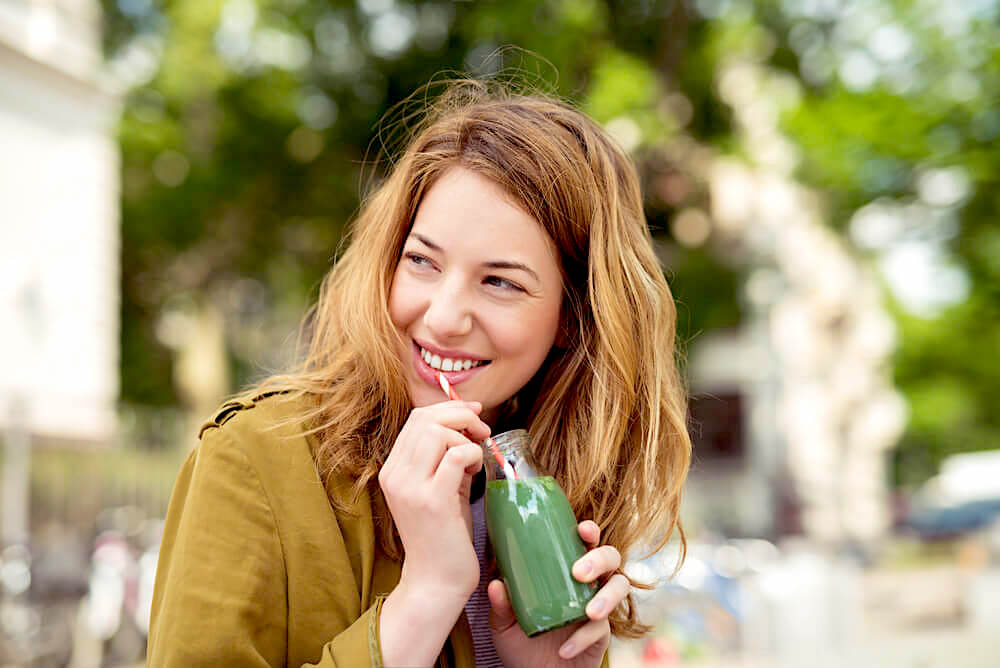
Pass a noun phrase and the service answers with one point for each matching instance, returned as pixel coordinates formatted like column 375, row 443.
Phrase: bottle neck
column 515, row 446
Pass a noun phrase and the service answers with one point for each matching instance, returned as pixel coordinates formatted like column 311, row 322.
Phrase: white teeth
column 447, row 363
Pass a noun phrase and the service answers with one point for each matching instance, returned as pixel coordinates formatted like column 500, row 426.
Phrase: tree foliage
column 249, row 131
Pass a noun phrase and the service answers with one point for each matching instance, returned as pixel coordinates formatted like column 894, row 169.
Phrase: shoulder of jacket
column 267, row 430
column 238, row 407
column 264, row 428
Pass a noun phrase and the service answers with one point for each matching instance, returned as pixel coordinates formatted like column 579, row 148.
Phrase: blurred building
column 59, row 212
column 794, row 413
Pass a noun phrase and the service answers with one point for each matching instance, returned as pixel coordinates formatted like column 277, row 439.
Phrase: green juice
column 534, row 536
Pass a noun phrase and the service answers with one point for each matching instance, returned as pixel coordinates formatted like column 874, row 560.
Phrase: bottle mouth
column 515, row 446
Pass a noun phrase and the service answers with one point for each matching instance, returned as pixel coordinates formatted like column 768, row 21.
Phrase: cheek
column 401, row 302
column 529, row 338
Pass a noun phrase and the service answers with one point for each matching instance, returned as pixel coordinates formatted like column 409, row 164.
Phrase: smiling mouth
column 448, row 363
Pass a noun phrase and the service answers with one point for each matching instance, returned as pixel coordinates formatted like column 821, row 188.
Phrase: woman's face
column 476, row 293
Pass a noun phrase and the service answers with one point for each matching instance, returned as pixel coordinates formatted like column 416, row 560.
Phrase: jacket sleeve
column 220, row 596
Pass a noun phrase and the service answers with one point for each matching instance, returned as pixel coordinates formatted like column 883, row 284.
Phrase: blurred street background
column 822, row 178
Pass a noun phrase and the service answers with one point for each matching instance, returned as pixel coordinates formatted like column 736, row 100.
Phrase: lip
column 428, row 374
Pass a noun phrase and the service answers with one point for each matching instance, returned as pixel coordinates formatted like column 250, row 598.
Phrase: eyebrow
column 495, row 264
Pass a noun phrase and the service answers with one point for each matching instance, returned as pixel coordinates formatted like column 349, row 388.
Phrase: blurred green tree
column 249, row 133
column 249, row 127
column 899, row 127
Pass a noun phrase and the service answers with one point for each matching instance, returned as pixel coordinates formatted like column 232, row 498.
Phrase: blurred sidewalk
column 942, row 617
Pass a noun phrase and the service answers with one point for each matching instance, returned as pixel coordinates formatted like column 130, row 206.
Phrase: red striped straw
column 508, row 470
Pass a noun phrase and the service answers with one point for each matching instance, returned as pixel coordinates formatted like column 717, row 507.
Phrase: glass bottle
column 534, row 536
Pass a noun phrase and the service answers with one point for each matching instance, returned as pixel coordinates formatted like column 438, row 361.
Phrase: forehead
column 465, row 212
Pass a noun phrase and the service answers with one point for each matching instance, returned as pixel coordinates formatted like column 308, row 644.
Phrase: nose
column 449, row 311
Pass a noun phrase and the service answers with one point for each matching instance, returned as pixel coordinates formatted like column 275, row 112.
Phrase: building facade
column 59, row 215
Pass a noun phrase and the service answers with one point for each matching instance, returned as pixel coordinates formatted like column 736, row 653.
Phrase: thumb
column 501, row 612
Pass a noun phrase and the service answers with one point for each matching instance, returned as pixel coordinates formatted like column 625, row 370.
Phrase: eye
column 418, row 260
column 502, row 283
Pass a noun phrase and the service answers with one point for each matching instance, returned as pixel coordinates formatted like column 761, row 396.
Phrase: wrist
column 449, row 591
column 414, row 623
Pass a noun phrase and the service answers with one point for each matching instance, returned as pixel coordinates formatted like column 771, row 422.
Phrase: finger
column 501, row 611
column 590, row 532
column 400, row 455
column 609, row 596
column 426, row 450
column 457, row 415
column 455, row 463
column 592, row 633
column 465, row 487
column 417, row 451
column 599, row 561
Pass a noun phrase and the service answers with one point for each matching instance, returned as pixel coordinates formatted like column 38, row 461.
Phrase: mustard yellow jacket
column 256, row 568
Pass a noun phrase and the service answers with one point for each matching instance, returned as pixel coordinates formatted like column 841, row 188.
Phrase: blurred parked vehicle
column 963, row 498
column 36, row 612
column 113, row 618
column 942, row 523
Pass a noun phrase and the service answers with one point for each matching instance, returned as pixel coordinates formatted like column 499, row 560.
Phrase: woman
column 325, row 519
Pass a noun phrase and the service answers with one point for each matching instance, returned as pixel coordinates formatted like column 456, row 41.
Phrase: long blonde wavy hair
column 607, row 410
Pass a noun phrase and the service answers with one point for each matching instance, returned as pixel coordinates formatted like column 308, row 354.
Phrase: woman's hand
column 426, row 481
column 578, row 645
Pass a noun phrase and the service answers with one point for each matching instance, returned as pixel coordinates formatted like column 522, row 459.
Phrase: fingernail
column 596, row 606
column 566, row 651
column 585, row 568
